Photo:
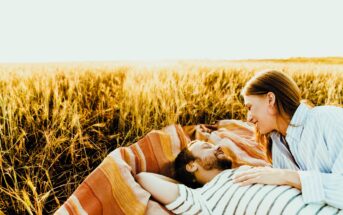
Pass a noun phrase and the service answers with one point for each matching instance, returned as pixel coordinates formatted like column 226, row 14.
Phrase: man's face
column 209, row 156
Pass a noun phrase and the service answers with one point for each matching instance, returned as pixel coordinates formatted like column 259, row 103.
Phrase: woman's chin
column 263, row 131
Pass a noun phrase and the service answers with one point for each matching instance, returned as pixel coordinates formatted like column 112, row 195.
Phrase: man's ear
column 271, row 102
column 191, row 167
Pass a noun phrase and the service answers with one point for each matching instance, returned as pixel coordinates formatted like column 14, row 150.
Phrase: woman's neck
column 282, row 124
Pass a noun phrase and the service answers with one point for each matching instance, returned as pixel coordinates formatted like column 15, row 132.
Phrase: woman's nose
column 249, row 117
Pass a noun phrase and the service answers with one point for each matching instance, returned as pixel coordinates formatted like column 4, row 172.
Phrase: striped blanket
column 220, row 196
column 112, row 189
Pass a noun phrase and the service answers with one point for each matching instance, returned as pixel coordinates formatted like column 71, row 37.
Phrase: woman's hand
column 267, row 175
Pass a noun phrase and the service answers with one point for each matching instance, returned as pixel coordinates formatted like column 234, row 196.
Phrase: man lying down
column 209, row 187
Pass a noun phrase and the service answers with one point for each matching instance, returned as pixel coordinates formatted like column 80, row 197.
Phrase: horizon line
column 165, row 60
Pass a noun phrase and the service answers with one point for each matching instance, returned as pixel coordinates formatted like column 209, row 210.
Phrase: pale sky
column 103, row 30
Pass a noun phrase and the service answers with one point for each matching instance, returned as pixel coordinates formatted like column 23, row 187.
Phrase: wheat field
column 59, row 121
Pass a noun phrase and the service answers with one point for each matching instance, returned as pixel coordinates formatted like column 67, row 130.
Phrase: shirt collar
column 296, row 125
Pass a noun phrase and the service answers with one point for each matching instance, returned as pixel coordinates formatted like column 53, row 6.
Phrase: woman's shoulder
column 324, row 114
column 325, row 110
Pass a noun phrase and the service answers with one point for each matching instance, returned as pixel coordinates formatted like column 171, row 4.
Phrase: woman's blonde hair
column 287, row 95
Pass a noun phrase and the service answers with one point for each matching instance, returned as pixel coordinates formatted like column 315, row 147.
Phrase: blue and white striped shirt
column 315, row 139
column 221, row 196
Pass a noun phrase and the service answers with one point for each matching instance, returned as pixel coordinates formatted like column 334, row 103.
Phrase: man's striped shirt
column 221, row 196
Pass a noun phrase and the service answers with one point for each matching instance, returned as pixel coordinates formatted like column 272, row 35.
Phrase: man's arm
column 162, row 189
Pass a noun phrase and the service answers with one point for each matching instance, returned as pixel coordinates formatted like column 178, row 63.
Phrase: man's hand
column 267, row 175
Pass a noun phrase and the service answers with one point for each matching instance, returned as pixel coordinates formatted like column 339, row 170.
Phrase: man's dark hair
column 180, row 172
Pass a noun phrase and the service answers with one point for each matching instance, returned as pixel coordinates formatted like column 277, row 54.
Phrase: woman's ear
column 271, row 98
column 191, row 167
column 271, row 102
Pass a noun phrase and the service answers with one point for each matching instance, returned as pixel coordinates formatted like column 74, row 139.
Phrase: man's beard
column 216, row 163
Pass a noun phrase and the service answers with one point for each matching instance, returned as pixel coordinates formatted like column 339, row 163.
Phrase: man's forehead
column 192, row 143
column 196, row 144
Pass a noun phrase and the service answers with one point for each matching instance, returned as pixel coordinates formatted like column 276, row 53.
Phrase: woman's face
column 261, row 112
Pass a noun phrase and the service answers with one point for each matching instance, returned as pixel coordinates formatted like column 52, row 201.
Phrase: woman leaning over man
column 305, row 144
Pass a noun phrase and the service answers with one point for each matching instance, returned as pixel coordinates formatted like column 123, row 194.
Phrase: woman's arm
column 163, row 189
column 267, row 175
column 315, row 186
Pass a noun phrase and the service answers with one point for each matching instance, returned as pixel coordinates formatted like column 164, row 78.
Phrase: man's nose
column 218, row 148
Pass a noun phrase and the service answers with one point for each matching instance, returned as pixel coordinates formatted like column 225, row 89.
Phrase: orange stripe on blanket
column 74, row 207
column 156, row 141
column 132, row 162
column 129, row 201
column 138, row 159
column 67, row 207
column 150, row 159
column 102, row 189
column 175, row 140
column 184, row 139
column 88, row 199
column 125, row 155
column 167, row 147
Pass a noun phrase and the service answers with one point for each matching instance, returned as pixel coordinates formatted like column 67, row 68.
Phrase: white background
column 102, row 30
